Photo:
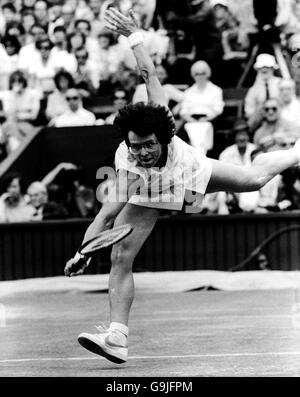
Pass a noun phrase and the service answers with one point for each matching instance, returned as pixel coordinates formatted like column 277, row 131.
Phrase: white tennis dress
column 183, row 179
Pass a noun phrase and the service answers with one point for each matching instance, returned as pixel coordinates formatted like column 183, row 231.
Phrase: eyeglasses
column 45, row 47
column 200, row 74
column 81, row 57
column 72, row 98
column 271, row 108
column 136, row 148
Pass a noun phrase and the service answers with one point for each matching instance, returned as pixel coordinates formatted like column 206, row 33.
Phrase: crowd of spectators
column 57, row 59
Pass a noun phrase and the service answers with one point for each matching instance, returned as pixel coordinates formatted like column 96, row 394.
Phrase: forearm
column 104, row 220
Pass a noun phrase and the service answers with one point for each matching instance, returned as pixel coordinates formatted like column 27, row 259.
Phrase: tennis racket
column 102, row 240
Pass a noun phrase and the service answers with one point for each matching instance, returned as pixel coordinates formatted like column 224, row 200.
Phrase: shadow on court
column 199, row 333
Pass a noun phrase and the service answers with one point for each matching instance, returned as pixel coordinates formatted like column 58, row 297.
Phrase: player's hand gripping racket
column 91, row 247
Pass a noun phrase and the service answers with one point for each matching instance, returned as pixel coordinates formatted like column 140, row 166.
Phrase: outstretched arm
column 128, row 27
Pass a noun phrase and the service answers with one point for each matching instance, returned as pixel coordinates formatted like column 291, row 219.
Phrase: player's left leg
column 232, row 178
column 111, row 343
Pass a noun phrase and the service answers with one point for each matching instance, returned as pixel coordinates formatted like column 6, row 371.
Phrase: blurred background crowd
column 229, row 68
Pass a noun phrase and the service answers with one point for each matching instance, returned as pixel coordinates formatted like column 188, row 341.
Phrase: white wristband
column 79, row 256
column 135, row 39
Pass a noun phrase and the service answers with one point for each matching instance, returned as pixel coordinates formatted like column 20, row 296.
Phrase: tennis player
column 173, row 174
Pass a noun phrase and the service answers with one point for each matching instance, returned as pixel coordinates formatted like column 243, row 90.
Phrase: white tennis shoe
column 107, row 343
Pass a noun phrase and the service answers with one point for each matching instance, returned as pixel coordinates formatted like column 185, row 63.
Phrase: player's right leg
column 112, row 343
column 232, row 178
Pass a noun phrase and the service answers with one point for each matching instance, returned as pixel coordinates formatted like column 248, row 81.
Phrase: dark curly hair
column 144, row 119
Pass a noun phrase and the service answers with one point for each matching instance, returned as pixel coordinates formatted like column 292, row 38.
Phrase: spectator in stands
column 41, row 13
column 9, row 13
column 29, row 53
column 21, row 105
column 12, row 47
column 76, row 115
column 13, row 206
column 266, row 86
column 120, row 99
column 240, row 152
column 75, row 40
column 84, row 27
column 173, row 94
column 65, row 186
column 289, row 190
column 43, row 208
column 201, row 104
column 233, row 45
column 60, row 53
column 86, row 76
column 200, row 24
column 96, row 20
column 109, row 56
column 289, row 103
column 67, row 18
column 28, row 20
column 16, row 29
column 273, row 126
column 42, row 71
column 57, row 103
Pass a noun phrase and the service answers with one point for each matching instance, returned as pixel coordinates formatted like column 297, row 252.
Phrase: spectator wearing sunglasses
column 273, row 126
column 87, row 76
column 76, row 115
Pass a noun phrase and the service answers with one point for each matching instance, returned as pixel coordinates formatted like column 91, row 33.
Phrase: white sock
column 122, row 328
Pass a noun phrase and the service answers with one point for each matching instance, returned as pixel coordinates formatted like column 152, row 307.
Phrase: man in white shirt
column 290, row 104
column 76, row 115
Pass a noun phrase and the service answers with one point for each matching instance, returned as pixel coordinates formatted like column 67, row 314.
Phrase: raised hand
column 119, row 23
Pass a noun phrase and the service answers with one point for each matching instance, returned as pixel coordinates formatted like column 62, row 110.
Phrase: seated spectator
column 95, row 16
column 289, row 190
column 229, row 27
column 28, row 20
column 76, row 115
column 201, row 104
column 266, row 86
column 65, row 186
column 109, row 56
column 67, row 19
column 12, row 47
column 173, row 94
column 120, row 99
column 21, row 105
column 40, row 11
column 13, row 206
column 240, row 152
column 289, row 103
column 29, row 54
column 16, row 29
column 84, row 27
column 9, row 13
column 75, row 40
column 59, row 52
column 200, row 24
column 43, row 208
column 86, row 76
column 57, row 103
column 273, row 126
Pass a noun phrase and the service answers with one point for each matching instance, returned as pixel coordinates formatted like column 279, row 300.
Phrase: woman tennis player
column 170, row 170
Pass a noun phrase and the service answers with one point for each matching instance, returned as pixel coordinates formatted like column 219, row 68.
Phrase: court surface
column 175, row 333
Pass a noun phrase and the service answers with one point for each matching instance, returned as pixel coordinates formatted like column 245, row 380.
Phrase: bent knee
column 122, row 255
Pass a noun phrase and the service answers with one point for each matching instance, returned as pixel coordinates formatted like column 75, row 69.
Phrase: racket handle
column 82, row 262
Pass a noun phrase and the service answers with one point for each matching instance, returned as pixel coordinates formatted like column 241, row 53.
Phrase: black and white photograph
column 149, row 192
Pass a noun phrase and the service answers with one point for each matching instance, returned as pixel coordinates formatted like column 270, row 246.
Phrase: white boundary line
column 189, row 356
